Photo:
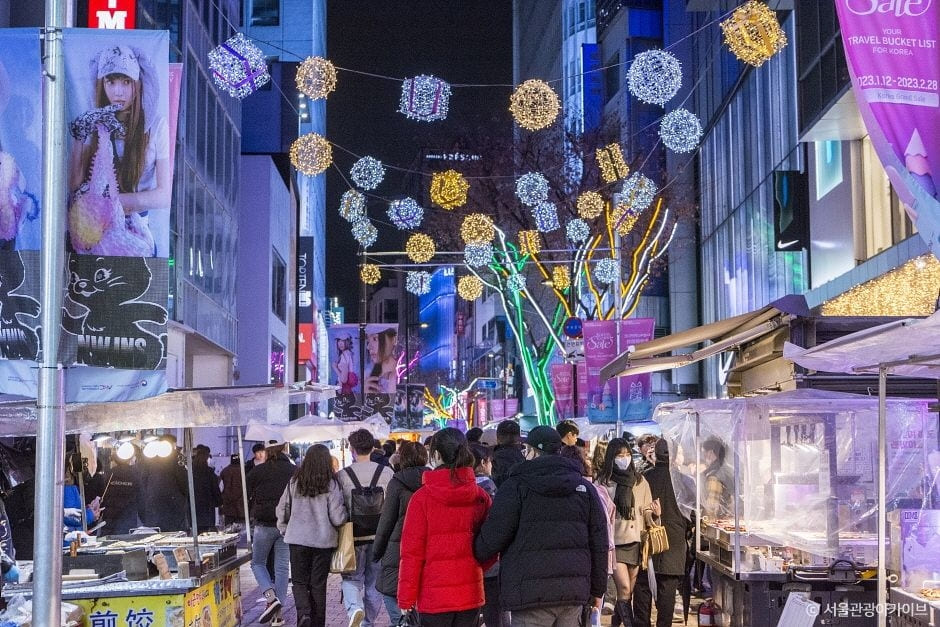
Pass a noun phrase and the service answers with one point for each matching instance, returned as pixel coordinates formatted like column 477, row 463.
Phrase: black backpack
column 365, row 507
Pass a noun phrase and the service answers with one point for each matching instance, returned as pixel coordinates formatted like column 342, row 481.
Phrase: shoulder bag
column 655, row 540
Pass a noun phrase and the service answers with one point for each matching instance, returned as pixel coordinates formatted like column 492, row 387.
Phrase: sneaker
column 272, row 610
column 356, row 619
column 608, row 608
column 277, row 622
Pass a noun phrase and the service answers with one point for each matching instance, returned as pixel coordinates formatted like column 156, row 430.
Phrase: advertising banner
column 562, row 378
column 891, row 50
column 600, row 348
column 582, row 374
column 636, row 390
column 409, row 407
column 380, row 371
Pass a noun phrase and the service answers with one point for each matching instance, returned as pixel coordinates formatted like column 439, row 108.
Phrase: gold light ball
column 590, row 205
column 561, row 279
column 370, row 273
column 420, row 248
column 316, row 78
column 753, row 33
column 530, row 242
column 469, row 287
column 610, row 161
column 477, row 228
column 311, row 154
column 534, row 105
column 449, row 189
column 623, row 219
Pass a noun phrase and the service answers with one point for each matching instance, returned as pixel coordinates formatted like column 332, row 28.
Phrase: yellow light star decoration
column 449, row 189
column 311, row 154
column 534, row 105
column 753, row 33
column 561, row 279
column 623, row 219
column 530, row 242
column 590, row 205
column 420, row 248
column 316, row 78
column 611, row 163
column 477, row 228
column 370, row 273
column 469, row 287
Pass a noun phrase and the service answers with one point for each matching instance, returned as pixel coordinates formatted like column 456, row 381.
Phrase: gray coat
column 311, row 521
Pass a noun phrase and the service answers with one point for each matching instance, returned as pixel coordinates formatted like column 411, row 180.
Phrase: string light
column 578, row 230
column 311, row 154
column 530, row 242
column 365, row 232
column 370, row 273
column 316, row 78
column 534, row 105
column 238, row 66
column 590, row 205
column 367, row 173
column 753, row 33
column 532, row 188
column 611, row 163
column 561, row 279
column 477, row 228
column 469, row 287
column 606, row 270
column 638, row 192
column 449, row 189
column 405, row 213
column 424, row 98
column 546, row 217
column 515, row 282
column 478, row 255
column 352, row 205
column 624, row 219
column 908, row 290
column 418, row 282
column 655, row 76
column 680, row 130
column 420, row 248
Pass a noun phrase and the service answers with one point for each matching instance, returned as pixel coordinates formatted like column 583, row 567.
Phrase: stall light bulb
column 125, row 451
column 166, row 449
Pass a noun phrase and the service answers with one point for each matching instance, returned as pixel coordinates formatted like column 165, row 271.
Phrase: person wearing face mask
column 206, row 489
column 633, row 502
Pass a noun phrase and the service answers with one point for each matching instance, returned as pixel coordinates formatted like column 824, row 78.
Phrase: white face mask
column 623, row 463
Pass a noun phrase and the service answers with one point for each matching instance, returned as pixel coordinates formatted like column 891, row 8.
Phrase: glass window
column 278, row 286
column 278, row 362
column 265, row 13
column 612, row 77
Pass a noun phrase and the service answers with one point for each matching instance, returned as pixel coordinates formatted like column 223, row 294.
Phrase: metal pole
column 617, row 315
column 882, row 496
column 407, row 355
column 241, row 452
column 362, row 339
column 50, row 402
column 188, row 457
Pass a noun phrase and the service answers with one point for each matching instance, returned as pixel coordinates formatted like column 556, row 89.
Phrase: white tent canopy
column 316, row 429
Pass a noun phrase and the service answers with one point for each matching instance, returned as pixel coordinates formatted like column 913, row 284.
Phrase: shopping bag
column 344, row 555
column 655, row 540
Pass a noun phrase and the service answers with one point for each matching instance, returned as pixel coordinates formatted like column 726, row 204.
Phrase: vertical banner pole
column 50, row 440
column 241, row 452
column 618, row 298
column 363, row 314
column 882, row 496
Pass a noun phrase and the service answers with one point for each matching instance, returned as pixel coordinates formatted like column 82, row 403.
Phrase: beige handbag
column 344, row 555
column 655, row 540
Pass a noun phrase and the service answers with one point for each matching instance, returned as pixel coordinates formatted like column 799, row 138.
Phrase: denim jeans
column 391, row 606
column 264, row 540
column 359, row 586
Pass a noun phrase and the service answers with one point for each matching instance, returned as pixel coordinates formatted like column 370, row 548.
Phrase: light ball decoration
column 638, row 192
column 316, row 78
column 532, row 188
column 370, row 273
column 534, row 105
column 311, row 154
column 753, row 33
column 405, row 213
column 655, row 76
column 606, row 271
column 449, row 189
column 611, row 163
column 367, row 173
column 477, row 228
column 418, row 282
column 530, row 242
column 478, row 255
column 420, row 248
column 515, row 282
column 561, row 278
column 623, row 219
column 352, row 205
column 470, row 287
column 590, row 205
column 424, row 98
column 680, row 130
column 365, row 232
column 238, row 66
column 546, row 217
column 578, row 230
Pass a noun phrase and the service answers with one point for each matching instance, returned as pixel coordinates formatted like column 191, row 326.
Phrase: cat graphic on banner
column 600, row 348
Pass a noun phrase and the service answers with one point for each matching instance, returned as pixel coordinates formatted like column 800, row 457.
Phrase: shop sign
column 111, row 14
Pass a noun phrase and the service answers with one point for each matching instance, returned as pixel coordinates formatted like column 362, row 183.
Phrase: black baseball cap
column 544, row 438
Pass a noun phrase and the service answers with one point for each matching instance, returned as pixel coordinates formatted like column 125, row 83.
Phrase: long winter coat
column 671, row 562
column 505, row 457
column 387, row 545
column 438, row 571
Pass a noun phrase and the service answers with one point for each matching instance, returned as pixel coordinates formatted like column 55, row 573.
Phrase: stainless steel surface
column 744, row 576
column 917, row 610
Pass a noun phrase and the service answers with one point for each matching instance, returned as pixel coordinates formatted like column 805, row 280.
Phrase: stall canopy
column 723, row 335
column 316, row 429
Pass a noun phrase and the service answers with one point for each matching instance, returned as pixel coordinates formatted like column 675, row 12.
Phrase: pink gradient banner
column 562, row 377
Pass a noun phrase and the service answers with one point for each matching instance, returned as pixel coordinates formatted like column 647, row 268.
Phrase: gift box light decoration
column 606, row 271
column 534, row 105
column 449, row 189
column 424, row 98
column 352, row 205
column 753, row 33
column 238, row 66
column 680, row 130
column 405, row 213
column 370, row 273
column 546, row 217
column 655, row 76
column 623, row 219
column 532, row 188
column 365, row 232
column 578, row 230
column 420, row 248
column 611, row 163
column 367, row 173
column 638, row 192
column 316, row 78
column 477, row 228
column 418, row 282
column 515, row 282
column 470, row 287
column 478, row 255
column 590, row 205
column 311, row 154
column 561, row 279
column 530, row 242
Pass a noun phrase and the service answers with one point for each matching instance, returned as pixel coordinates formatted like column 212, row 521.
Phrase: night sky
column 460, row 41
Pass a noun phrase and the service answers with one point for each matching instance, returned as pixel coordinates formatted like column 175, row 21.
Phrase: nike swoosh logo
column 781, row 244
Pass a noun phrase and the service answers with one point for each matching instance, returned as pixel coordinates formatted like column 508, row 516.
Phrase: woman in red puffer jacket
column 438, row 576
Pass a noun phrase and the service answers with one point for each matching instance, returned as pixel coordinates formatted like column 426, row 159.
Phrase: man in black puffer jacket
column 507, row 452
column 549, row 529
